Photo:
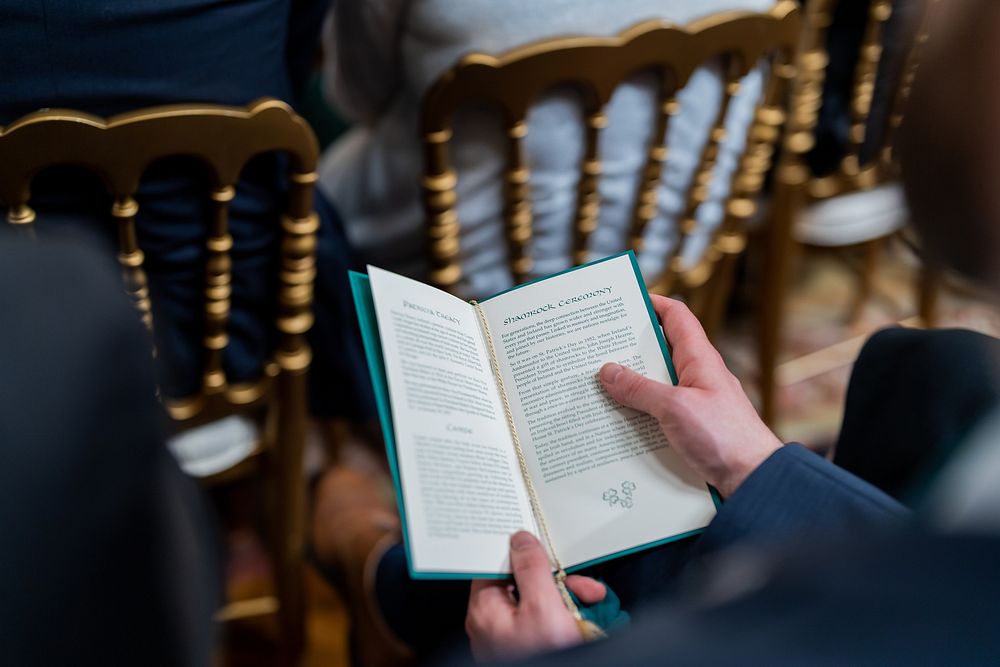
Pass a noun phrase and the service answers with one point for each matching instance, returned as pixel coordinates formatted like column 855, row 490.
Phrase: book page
column 462, row 487
column 605, row 475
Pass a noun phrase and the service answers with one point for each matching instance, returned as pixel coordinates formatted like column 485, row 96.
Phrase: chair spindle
column 907, row 74
column 22, row 217
column 298, row 271
column 218, row 288
column 698, row 193
column 439, row 202
column 647, row 198
column 517, row 203
column 124, row 210
column 864, row 83
column 588, row 202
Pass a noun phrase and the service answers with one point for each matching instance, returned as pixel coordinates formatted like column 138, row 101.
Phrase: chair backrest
column 224, row 139
column 596, row 66
column 120, row 148
column 879, row 72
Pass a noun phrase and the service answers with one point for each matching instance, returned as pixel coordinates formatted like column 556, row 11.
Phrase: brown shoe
column 353, row 526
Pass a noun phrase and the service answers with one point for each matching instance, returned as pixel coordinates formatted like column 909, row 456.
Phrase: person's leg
column 356, row 544
column 428, row 615
column 339, row 383
column 912, row 398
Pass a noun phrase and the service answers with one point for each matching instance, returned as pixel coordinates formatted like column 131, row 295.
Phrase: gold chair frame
column 118, row 150
column 597, row 65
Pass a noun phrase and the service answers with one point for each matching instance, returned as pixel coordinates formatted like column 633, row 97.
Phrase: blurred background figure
column 110, row 59
column 106, row 556
column 382, row 55
column 845, row 36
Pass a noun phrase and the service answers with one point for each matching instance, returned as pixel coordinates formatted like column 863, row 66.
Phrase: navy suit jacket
column 807, row 564
column 794, row 500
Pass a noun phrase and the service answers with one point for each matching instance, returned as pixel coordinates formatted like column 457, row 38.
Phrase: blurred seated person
column 382, row 55
column 844, row 37
column 112, row 58
column 852, row 215
column 106, row 558
column 806, row 562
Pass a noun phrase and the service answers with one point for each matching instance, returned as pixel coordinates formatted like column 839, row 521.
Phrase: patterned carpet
column 822, row 336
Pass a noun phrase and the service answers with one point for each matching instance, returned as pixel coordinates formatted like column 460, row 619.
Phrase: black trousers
column 913, row 397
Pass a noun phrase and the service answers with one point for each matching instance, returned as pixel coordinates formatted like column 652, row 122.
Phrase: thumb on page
column 634, row 390
column 533, row 572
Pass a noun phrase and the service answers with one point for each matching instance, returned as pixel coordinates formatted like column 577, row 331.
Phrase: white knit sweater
column 381, row 55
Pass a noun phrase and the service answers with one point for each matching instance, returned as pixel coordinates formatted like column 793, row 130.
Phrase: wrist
column 743, row 465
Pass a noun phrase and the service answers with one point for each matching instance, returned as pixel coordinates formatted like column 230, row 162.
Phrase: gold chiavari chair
column 118, row 150
column 596, row 66
column 801, row 197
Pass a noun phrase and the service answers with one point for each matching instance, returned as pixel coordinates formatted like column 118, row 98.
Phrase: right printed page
column 606, row 478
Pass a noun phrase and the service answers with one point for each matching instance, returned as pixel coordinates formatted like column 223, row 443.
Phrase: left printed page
column 457, row 473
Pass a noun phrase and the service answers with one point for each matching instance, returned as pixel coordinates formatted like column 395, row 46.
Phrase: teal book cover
column 365, row 306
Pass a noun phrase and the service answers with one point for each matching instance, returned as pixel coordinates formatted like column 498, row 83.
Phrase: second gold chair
column 224, row 139
column 596, row 66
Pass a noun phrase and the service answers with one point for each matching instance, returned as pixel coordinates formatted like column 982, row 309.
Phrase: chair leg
column 769, row 338
column 697, row 301
column 866, row 280
column 788, row 193
column 719, row 293
column 928, row 291
column 291, row 512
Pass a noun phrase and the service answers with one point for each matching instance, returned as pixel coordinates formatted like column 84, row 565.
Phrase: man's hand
column 501, row 628
column 707, row 418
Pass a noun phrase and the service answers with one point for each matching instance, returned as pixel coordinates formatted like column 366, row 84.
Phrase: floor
column 822, row 339
column 253, row 644
column 824, row 332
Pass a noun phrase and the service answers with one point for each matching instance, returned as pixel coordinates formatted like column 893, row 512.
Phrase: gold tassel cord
column 588, row 630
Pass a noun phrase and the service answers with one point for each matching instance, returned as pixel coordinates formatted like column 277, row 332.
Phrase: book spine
column 536, row 508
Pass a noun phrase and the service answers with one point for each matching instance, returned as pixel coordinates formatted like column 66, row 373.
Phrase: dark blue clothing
column 914, row 398
column 895, row 598
column 806, row 563
column 844, row 37
column 107, row 557
column 793, row 495
column 107, row 58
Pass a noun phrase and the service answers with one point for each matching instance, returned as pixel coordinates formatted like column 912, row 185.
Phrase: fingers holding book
column 707, row 417
column 501, row 625
column 695, row 358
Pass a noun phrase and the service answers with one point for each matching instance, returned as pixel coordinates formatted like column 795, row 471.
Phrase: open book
column 495, row 421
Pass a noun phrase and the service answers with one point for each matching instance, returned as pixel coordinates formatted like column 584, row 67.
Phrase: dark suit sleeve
column 792, row 588
column 795, row 492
